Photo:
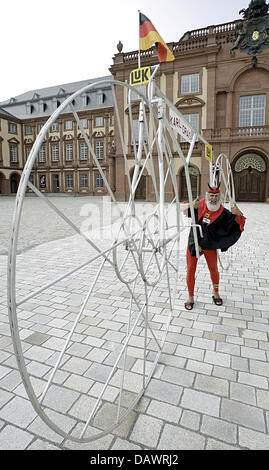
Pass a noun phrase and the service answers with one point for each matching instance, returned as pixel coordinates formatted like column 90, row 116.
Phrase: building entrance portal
column 14, row 183
column 55, row 183
column 250, row 178
column 1, row 183
column 141, row 191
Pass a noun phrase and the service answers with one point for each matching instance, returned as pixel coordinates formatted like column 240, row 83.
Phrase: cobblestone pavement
column 210, row 389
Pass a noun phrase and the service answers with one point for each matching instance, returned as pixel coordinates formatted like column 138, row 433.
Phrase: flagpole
column 139, row 58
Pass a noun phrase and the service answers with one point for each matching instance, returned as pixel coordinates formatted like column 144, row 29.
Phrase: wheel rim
column 139, row 312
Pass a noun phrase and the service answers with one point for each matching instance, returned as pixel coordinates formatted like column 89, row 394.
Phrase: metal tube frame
column 138, row 251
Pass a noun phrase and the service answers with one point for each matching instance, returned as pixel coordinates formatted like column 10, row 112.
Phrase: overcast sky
column 60, row 41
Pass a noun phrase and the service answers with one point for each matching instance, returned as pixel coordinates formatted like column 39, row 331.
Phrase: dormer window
column 42, row 106
column 85, row 99
column 100, row 97
column 61, row 92
column 55, row 103
column 29, row 108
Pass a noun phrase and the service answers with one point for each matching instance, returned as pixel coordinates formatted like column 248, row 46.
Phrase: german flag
column 148, row 36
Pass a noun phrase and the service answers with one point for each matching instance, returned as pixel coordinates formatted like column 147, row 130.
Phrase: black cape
column 220, row 234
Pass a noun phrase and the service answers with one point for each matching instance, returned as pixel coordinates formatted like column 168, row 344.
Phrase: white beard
column 213, row 207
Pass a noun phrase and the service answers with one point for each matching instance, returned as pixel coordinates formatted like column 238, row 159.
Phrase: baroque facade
column 219, row 81
column 11, row 160
column 64, row 163
column 224, row 93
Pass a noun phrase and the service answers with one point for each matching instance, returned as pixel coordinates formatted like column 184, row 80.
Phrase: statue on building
column 252, row 33
column 255, row 9
column 240, row 34
column 120, row 46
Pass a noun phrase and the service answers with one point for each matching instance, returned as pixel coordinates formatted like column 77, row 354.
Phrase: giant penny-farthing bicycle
column 143, row 257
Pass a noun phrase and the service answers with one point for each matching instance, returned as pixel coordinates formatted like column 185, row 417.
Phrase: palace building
column 64, row 163
column 219, row 81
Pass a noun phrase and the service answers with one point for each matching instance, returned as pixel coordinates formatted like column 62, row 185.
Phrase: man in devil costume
column 221, row 229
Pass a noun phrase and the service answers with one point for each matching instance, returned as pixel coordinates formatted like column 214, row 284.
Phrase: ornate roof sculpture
column 252, row 33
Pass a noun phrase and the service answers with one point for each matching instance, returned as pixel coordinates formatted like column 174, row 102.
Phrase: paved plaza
column 210, row 388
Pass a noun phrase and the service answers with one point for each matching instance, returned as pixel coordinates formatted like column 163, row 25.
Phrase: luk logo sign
column 140, row 76
column 209, row 152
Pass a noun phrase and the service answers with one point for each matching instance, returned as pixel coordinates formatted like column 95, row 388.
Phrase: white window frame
column 13, row 153
column 42, row 154
column 54, row 152
column 12, row 128
column 83, row 180
column 28, row 129
column 28, row 150
column 190, row 83
column 83, row 150
column 84, row 123
column 99, row 121
column 248, row 114
column 99, row 182
column 69, row 181
column 99, row 149
column 68, row 148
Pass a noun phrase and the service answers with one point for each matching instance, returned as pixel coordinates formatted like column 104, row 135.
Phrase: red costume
column 221, row 229
column 211, row 259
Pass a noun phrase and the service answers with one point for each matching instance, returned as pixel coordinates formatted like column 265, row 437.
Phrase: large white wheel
column 142, row 257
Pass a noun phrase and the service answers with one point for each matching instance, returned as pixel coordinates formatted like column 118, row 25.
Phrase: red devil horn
column 218, row 186
column 210, row 187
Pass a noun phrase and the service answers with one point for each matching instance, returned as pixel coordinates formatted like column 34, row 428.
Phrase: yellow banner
column 209, row 152
column 140, row 76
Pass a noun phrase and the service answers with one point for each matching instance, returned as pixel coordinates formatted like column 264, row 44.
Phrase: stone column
column 120, row 192
column 211, row 96
column 229, row 110
column 5, row 186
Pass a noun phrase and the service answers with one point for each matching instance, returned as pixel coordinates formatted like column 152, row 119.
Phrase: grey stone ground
column 210, row 389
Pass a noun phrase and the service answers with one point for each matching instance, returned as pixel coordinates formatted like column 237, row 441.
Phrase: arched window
column 250, row 160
